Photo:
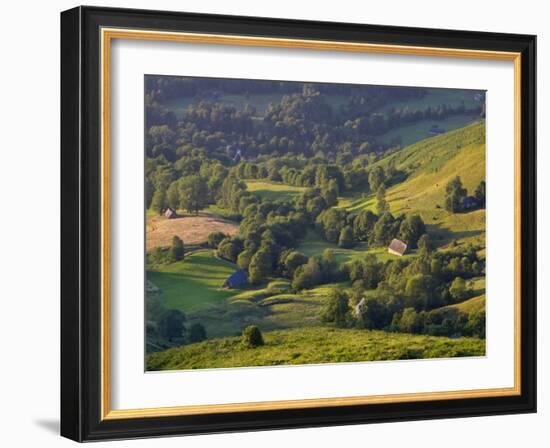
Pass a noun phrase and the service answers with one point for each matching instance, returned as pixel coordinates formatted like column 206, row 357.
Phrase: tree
column 480, row 194
column 215, row 238
column 331, row 222
column 454, row 193
column 307, row 275
column 171, row 324
column 229, row 249
column 261, row 266
column 158, row 203
column 346, row 238
column 252, row 337
column 292, row 261
column 193, row 193
column 330, row 193
column 384, row 230
column 476, row 324
column 411, row 321
column 355, row 271
column 420, row 292
column 149, row 191
column 458, row 289
column 336, row 308
column 329, row 265
column 197, row 333
column 172, row 196
column 373, row 314
column 376, row 178
column 315, row 206
column 177, row 249
column 244, row 258
column 411, row 229
column 382, row 205
column 363, row 224
column 371, row 270
column 424, row 245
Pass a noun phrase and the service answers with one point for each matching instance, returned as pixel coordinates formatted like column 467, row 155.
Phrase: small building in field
column 397, row 247
column 236, row 280
column 359, row 307
column 469, row 203
column 239, row 156
column 170, row 213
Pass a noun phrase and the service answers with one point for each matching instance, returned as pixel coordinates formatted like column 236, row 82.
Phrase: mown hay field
column 190, row 228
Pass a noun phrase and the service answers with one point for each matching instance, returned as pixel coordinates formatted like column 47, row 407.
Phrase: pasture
column 471, row 305
column 313, row 345
column 194, row 282
column 314, row 245
column 415, row 132
column 273, row 190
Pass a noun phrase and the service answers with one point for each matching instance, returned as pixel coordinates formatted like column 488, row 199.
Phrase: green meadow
column 192, row 283
column 273, row 190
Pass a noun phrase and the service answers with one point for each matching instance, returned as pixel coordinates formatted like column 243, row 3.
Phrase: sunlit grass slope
column 313, row 345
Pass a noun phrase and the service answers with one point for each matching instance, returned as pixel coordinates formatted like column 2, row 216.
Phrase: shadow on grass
column 444, row 235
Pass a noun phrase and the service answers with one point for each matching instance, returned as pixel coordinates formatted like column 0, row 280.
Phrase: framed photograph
column 277, row 224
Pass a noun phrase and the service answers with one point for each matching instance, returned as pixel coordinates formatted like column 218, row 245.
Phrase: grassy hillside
column 418, row 131
column 270, row 308
column 434, row 98
column 194, row 282
column 471, row 305
column 314, row 346
column 429, row 165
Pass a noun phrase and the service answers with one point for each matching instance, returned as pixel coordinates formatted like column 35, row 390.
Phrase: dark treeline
column 302, row 122
column 161, row 88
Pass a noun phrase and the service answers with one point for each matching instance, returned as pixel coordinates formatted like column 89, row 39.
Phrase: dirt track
column 191, row 229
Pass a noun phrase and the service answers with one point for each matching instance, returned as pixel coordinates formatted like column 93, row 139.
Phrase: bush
column 171, row 324
column 230, row 248
column 458, row 289
column 476, row 324
column 337, row 308
column 252, row 337
column 215, row 238
column 346, row 238
column 177, row 250
column 197, row 333
column 307, row 275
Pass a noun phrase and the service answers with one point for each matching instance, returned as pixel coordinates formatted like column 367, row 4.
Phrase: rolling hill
column 315, row 345
column 428, row 166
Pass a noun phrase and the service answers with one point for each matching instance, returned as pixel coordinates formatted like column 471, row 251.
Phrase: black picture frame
column 81, row 224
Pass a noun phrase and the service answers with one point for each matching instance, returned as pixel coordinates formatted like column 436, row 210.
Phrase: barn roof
column 357, row 308
column 237, row 279
column 169, row 212
column 397, row 246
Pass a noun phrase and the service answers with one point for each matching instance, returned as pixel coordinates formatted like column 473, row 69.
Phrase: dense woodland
column 204, row 159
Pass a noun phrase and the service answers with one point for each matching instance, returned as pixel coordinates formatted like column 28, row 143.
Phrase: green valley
column 301, row 223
